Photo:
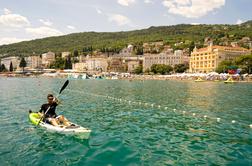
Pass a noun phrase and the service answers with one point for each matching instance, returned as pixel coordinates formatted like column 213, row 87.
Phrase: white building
column 64, row 55
column 126, row 51
column 33, row 62
column 7, row 61
column 97, row 64
column 81, row 66
column 47, row 59
column 166, row 57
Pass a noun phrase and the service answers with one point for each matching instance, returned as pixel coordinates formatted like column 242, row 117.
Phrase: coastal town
column 126, row 82
column 127, row 64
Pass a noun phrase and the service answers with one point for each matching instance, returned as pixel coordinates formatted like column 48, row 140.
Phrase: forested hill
column 117, row 40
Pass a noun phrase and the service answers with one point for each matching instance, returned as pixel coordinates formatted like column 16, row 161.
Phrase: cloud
column 71, row 27
column 239, row 21
column 148, row 1
column 119, row 19
column 46, row 22
column 125, row 2
column 192, row 8
column 43, row 32
column 9, row 40
column 195, row 23
column 7, row 11
column 13, row 20
column 98, row 11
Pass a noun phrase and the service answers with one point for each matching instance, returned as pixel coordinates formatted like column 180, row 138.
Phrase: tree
column 22, row 63
column 181, row 68
column 59, row 63
column 245, row 63
column 161, row 68
column 68, row 63
column 223, row 66
column 147, row 71
column 138, row 50
column 76, row 53
column 191, row 46
column 11, row 67
column 2, row 68
column 138, row 70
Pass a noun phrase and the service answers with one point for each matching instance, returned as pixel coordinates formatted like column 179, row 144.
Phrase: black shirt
column 51, row 112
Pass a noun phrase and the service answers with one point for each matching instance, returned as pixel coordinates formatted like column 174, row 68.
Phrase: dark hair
column 49, row 95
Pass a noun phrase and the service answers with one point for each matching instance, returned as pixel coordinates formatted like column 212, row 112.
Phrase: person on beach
column 51, row 116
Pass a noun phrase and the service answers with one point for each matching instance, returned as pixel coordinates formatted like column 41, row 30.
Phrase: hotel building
column 166, row 57
column 207, row 59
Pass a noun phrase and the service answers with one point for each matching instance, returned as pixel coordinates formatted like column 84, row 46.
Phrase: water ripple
column 133, row 123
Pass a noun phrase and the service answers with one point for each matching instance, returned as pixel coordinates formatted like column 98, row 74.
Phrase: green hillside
column 117, row 40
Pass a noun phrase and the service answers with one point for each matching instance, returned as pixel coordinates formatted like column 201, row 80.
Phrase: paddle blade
column 64, row 86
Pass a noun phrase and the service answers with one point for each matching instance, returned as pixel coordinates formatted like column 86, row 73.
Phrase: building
column 48, row 59
column 132, row 62
column 116, row 64
column 7, row 61
column 166, row 57
column 81, row 66
column 207, row 59
column 82, row 58
column 97, row 64
column 153, row 47
column 33, row 62
column 65, row 55
column 132, row 65
column 126, row 51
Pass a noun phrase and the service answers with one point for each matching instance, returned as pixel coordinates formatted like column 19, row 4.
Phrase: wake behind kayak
column 73, row 129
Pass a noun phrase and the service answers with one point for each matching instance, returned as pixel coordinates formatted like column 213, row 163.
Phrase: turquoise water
column 132, row 122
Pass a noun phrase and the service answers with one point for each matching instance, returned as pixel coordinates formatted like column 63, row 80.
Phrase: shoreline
column 132, row 77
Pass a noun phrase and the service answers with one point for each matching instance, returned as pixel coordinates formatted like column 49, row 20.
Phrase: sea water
column 132, row 122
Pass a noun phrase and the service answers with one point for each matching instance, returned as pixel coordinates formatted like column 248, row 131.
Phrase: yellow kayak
column 230, row 80
column 199, row 80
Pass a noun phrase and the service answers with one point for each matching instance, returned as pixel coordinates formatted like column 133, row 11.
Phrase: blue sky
column 31, row 19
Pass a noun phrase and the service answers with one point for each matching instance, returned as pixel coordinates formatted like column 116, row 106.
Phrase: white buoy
column 250, row 126
column 233, row 121
column 139, row 102
column 174, row 109
column 159, row 106
column 166, row 108
column 205, row 116
column 193, row 114
column 184, row 112
column 218, row 119
column 152, row 105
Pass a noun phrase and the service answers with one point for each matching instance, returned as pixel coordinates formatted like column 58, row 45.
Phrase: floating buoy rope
column 154, row 105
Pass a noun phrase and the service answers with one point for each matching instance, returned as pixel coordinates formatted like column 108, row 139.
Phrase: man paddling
column 51, row 116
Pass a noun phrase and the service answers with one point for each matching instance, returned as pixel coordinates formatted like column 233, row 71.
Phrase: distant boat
column 72, row 76
column 199, row 80
column 230, row 80
column 114, row 78
column 78, row 76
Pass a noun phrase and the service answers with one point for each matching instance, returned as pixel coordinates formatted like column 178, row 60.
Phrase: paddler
column 51, row 116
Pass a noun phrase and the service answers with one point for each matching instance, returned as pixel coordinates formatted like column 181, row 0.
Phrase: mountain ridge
column 117, row 40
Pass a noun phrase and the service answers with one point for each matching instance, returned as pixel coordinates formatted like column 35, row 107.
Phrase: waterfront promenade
column 131, row 77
